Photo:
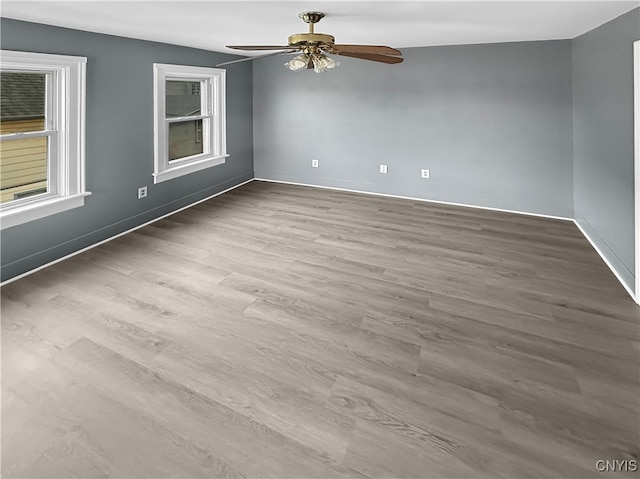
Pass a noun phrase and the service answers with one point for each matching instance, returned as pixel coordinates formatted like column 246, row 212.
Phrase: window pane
column 22, row 102
column 23, row 168
column 185, row 139
column 183, row 98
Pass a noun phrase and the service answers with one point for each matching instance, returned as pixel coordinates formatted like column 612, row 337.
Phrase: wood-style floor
column 285, row 331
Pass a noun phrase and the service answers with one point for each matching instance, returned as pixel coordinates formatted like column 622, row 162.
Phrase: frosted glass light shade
column 322, row 63
column 299, row 63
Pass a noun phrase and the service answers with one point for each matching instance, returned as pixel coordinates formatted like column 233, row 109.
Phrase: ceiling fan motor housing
column 298, row 39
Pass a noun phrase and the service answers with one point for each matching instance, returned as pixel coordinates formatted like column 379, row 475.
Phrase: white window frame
column 213, row 114
column 65, row 128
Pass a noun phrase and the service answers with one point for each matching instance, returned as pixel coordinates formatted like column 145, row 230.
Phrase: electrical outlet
column 424, row 174
column 142, row 192
column 383, row 168
column 314, row 163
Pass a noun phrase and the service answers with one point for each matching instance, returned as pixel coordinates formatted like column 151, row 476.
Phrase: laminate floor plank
column 288, row 331
column 270, row 398
column 482, row 449
column 553, row 330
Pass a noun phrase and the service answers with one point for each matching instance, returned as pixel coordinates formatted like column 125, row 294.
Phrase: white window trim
column 67, row 102
column 215, row 82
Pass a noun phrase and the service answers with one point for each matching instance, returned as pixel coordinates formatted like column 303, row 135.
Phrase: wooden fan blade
column 372, row 57
column 248, row 59
column 373, row 49
column 259, row 47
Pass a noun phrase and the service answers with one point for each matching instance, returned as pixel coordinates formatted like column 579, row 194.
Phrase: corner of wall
column 604, row 195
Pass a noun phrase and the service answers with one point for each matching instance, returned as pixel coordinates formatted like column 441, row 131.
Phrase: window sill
column 185, row 169
column 17, row 216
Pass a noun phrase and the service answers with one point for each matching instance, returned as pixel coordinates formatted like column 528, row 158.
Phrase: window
column 42, row 116
column 189, row 125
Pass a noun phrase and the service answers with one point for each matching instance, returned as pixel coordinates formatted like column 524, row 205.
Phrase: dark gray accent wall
column 603, row 138
column 119, row 141
column 492, row 123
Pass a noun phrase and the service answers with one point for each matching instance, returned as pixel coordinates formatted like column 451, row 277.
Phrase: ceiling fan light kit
column 314, row 46
column 318, row 61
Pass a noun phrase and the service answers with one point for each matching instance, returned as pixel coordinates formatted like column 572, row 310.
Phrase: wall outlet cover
column 383, row 168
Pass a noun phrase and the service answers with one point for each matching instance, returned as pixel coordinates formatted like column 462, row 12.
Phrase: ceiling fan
column 314, row 46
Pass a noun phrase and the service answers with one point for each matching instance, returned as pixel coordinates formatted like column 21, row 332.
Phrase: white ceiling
column 213, row 24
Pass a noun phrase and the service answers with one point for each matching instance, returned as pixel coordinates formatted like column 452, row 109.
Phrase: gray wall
column 119, row 141
column 492, row 122
column 603, row 138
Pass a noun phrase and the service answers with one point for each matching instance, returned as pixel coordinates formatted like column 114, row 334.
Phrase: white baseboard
column 111, row 238
column 412, row 198
column 627, row 287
